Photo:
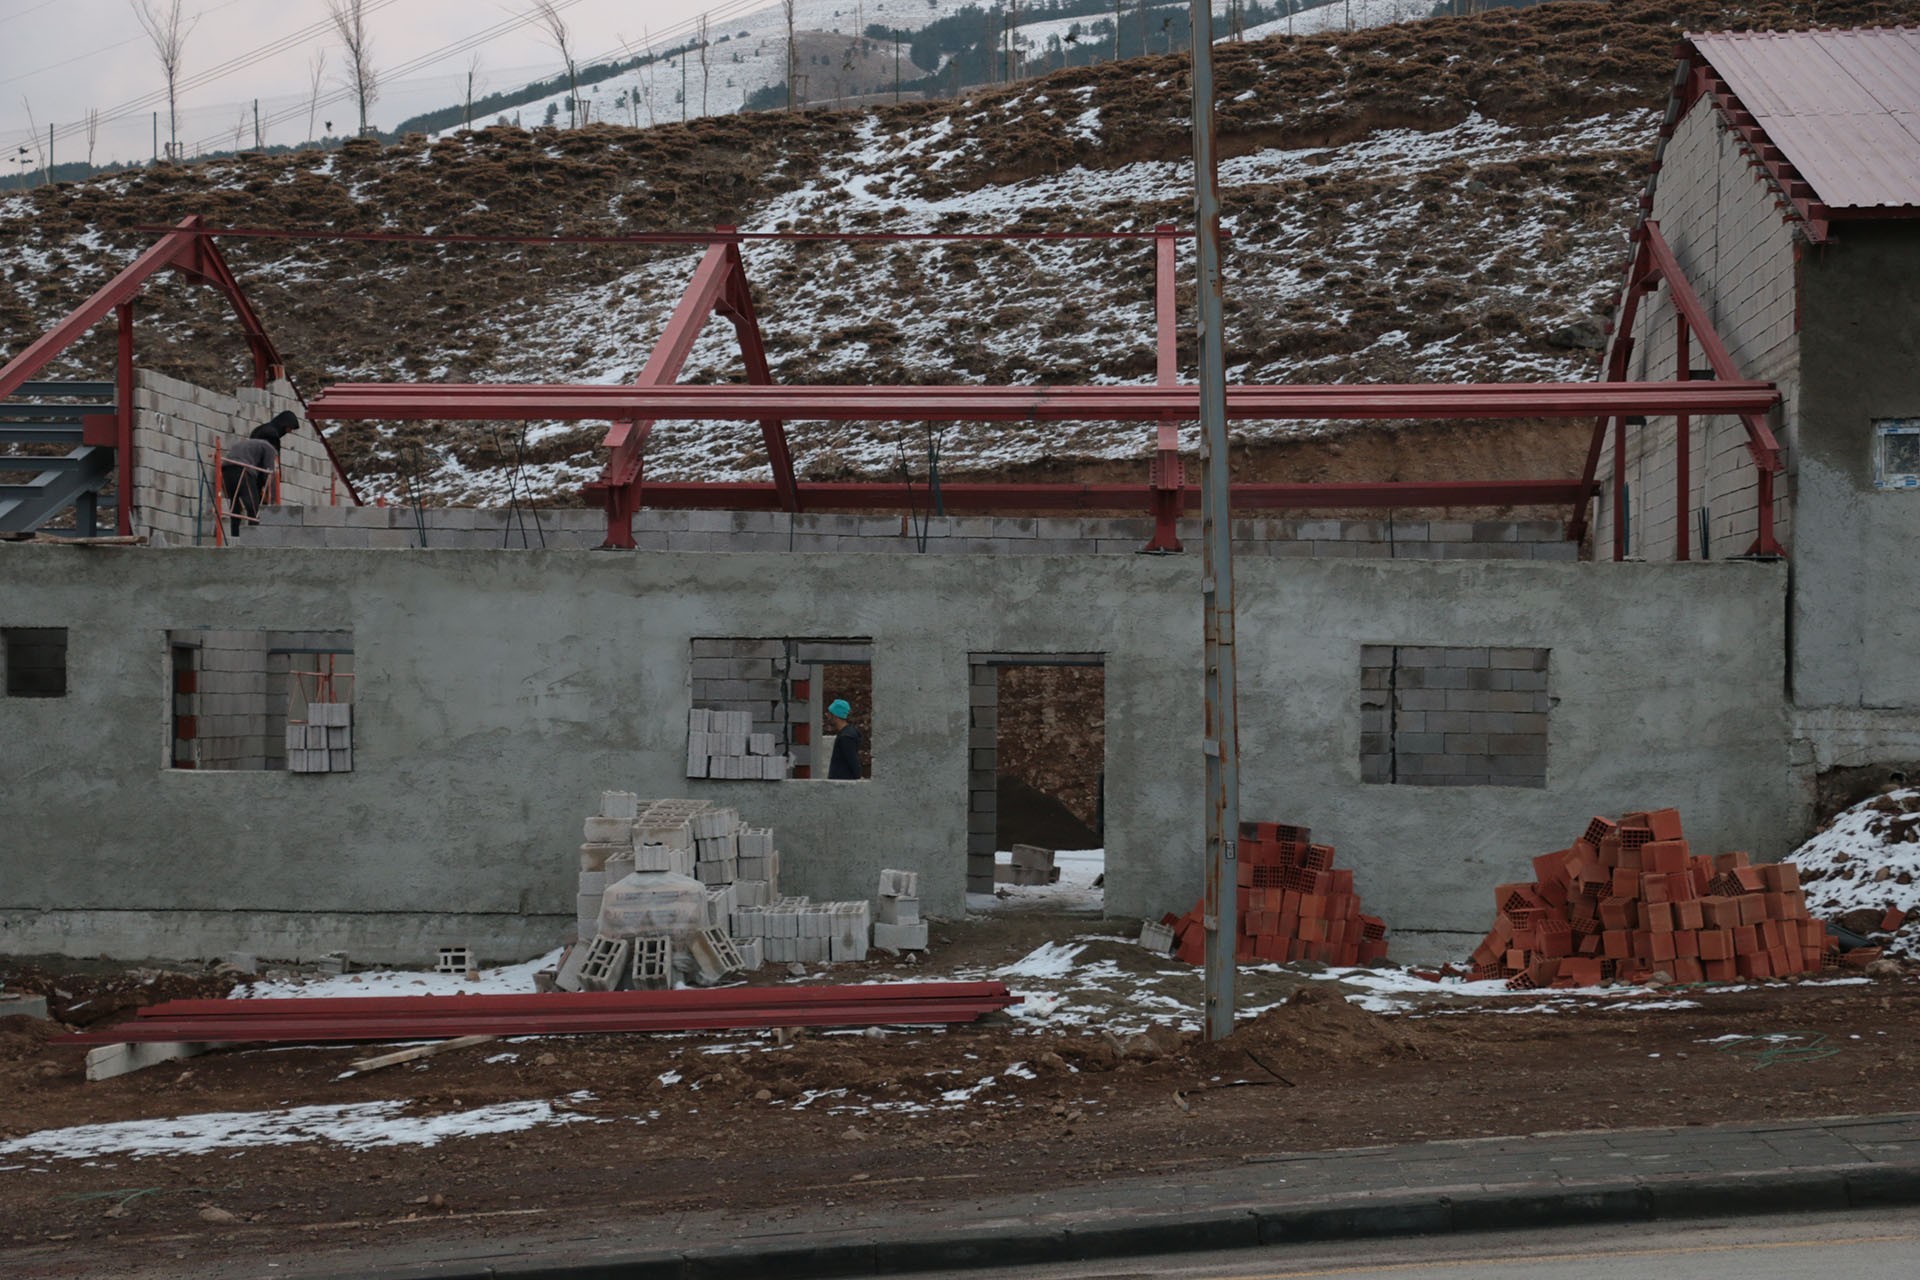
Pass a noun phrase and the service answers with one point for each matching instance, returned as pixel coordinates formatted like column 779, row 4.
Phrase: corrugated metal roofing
column 1843, row 105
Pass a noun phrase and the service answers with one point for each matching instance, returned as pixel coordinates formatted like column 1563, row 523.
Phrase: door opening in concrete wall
column 1037, row 782
column 1447, row 716
column 36, row 661
column 260, row 700
column 763, row 708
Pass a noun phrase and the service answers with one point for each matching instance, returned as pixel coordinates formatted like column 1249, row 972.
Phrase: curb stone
column 1093, row 1237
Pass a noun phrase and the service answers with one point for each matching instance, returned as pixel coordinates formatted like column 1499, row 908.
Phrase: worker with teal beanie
column 845, row 763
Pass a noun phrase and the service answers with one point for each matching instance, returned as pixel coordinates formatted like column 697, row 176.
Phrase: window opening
column 762, row 707
column 1896, row 453
column 261, row 700
column 36, row 661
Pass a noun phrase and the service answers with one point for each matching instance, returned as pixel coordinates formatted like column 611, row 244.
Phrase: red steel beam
column 320, row 1030
column 1760, row 441
column 574, row 1001
column 737, row 306
column 827, row 495
column 534, row 402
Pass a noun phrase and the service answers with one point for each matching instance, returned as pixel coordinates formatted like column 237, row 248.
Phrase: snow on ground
column 1868, row 858
column 1075, row 892
column 1342, row 16
column 356, row 1126
column 505, row 980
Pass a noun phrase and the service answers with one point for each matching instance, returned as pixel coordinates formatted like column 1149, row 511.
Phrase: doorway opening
column 1037, row 753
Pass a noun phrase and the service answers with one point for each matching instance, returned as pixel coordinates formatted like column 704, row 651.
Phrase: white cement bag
column 654, row 902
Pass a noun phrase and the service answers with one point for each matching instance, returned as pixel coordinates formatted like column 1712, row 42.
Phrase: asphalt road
column 1863, row 1246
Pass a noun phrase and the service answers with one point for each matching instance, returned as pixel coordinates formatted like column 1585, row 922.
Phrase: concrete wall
column 462, row 528
column 1720, row 218
column 175, row 427
column 497, row 695
column 1856, row 550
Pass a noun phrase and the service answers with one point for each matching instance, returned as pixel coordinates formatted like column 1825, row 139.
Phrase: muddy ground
column 753, row 1129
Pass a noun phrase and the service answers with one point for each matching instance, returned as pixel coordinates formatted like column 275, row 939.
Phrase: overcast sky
column 62, row 58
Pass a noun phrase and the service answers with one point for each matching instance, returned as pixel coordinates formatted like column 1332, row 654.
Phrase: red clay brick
column 1665, row 824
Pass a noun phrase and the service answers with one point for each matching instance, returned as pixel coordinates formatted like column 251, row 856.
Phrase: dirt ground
column 1313, row 1072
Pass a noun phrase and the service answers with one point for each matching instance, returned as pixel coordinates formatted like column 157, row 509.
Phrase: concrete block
column 18, row 1004
column 1157, row 937
column 605, row 964
column 900, row 937
column 892, row 910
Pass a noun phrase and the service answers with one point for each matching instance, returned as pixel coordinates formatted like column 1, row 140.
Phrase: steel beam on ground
column 1363, row 402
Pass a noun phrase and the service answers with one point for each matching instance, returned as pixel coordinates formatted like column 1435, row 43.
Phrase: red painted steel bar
column 1619, row 487
column 574, row 1001
column 962, row 496
column 1617, row 364
column 619, row 484
column 737, row 306
column 733, row 1008
column 1166, row 475
column 123, row 461
column 649, row 237
column 1683, row 448
column 509, row 402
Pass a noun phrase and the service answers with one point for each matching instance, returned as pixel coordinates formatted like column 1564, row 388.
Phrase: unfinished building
column 1432, row 694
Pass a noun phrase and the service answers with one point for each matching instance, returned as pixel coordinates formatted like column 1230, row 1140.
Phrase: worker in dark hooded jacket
column 245, row 470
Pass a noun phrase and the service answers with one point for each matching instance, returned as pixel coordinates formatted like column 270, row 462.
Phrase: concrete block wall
column 483, row 726
column 1729, row 237
column 448, row 528
column 175, row 427
column 230, row 708
column 1432, row 716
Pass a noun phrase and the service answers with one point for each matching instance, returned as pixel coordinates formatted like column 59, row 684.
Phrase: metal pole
column 1222, row 743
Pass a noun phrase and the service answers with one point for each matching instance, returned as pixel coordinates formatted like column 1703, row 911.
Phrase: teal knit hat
column 840, row 708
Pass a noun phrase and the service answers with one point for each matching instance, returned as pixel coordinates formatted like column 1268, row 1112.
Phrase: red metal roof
column 1844, row 107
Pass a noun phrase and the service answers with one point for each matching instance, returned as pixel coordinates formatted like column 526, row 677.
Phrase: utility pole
column 156, row 137
column 258, row 143
column 49, row 153
column 1221, row 912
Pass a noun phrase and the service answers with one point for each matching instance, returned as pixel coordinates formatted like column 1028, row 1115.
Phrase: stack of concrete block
column 723, row 744
column 796, row 929
column 716, row 835
column 324, row 743
column 1031, row 865
column 897, row 925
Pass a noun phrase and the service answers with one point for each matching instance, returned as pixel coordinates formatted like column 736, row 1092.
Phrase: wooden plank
column 363, row 1065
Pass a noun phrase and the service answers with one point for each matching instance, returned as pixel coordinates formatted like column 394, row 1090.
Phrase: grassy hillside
column 1444, row 199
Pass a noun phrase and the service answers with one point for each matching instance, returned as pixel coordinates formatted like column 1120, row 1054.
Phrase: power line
column 463, row 45
column 200, row 79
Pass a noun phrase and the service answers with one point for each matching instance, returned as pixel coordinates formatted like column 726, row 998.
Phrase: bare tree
column 350, row 24
column 40, row 148
column 793, row 64
column 93, row 132
column 167, row 28
column 549, row 17
column 316, row 75
column 703, row 63
column 473, row 70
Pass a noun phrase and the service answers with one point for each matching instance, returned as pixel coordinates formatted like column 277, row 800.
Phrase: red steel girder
column 531, row 402
column 572, row 1001
column 391, row 1018
column 962, row 496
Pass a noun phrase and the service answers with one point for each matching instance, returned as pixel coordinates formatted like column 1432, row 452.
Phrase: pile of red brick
column 1630, row 899
column 1293, row 905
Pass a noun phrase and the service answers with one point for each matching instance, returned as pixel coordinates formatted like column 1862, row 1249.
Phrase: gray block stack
column 897, row 925
column 797, row 929
column 324, row 743
column 746, row 920
column 722, row 744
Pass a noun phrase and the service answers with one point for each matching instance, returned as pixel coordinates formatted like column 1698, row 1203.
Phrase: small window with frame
column 1896, row 453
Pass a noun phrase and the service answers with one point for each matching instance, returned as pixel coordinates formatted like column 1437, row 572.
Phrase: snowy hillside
column 1436, row 200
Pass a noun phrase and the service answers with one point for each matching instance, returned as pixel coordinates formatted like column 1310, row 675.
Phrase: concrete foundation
column 497, row 696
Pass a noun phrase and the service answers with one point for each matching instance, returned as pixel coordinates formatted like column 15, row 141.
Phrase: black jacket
column 846, row 754
column 275, row 431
